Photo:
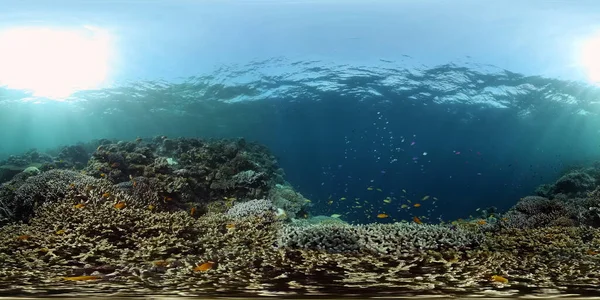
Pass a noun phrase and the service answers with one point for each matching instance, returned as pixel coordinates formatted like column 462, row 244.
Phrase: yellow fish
column 387, row 200
column 498, row 278
column 330, row 202
column 369, row 189
column 404, row 206
column 382, row 216
column 343, row 198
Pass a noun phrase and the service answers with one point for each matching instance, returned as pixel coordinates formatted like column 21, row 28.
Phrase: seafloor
column 164, row 217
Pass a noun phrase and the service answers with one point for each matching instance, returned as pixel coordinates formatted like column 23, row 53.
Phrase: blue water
column 469, row 136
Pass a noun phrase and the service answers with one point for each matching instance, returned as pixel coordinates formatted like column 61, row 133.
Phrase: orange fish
column 382, row 216
column 481, row 222
column 105, row 195
column 79, row 205
column 204, row 267
column 417, row 205
column 161, row 263
column 417, row 220
column 23, row 237
column 230, row 226
column 591, row 252
column 498, row 278
column 82, row 278
column 192, row 211
column 120, row 205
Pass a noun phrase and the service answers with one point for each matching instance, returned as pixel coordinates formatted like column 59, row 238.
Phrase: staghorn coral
column 251, row 208
column 393, row 239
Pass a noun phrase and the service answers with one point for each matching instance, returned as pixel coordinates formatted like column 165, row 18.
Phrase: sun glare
column 589, row 57
column 53, row 63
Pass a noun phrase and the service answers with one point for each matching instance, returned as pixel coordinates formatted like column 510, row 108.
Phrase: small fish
column 230, row 226
column 369, row 189
column 591, row 252
column 160, row 263
column 151, row 206
column 417, row 220
column 82, row 278
column 382, row 216
column 379, row 190
column 79, row 205
column 404, row 191
column 204, row 267
column 105, row 195
column 387, row 200
column 102, row 175
column 115, row 165
column 417, row 205
column 434, row 198
column 403, row 206
column 498, row 278
column 192, row 211
column 336, row 215
column 72, row 185
column 120, row 205
column 425, row 198
column 481, row 222
column 330, row 202
column 23, row 237
column 62, row 231
column 343, row 198
column 167, row 198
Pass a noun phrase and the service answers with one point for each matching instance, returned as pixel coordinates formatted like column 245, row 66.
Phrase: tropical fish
column 379, row 190
column 481, row 222
column 382, row 216
column 23, row 237
column 404, row 191
column 192, row 211
column 79, row 205
column 102, row 175
column 230, row 226
column 106, row 195
column 336, row 215
column 82, row 278
column 425, row 198
column 387, row 200
column 403, row 206
column 204, row 267
column 60, row 231
column 120, row 205
column 417, row 220
column 160, row 263
column 150, row 206
column 369, row 188
column 343, row 198
column 498, row 278
column 417, row 205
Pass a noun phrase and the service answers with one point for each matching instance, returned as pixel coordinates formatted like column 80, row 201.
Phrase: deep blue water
column 480, row 137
